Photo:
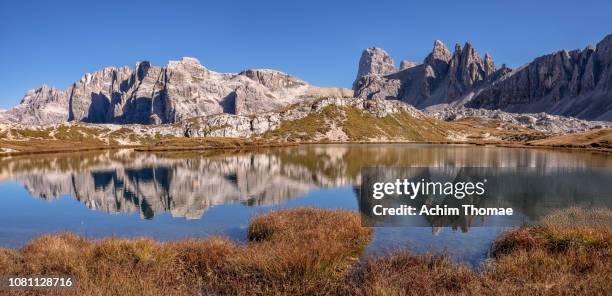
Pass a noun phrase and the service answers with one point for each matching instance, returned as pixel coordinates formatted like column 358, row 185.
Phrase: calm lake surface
column 174, row 195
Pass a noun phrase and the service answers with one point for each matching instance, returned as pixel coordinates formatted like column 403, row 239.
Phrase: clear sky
column 320, row 41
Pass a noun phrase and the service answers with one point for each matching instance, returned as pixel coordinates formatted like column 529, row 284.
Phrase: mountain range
column 147, row 94
column 575, row 83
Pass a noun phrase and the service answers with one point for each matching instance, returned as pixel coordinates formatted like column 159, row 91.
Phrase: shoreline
column 255, row 146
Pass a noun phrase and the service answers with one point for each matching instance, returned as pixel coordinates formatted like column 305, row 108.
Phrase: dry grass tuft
column 402, row 273
column 526, row 261
column 579, row 217
column 297, row 251
column 551, row 261
column 308, row 251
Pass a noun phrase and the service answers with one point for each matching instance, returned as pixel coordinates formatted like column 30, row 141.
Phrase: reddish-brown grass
column 553, row 261
column 309, row 251
column 297, row 251
column 403, row 273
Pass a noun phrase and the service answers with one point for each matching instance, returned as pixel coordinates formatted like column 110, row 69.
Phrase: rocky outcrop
column 97, row 97
column 154, row 95
column 573, row 83
column 45, row 104
column 466, row 70
column 229, row 125
column 546, row 123
column 375, row 61
column 407, row 64
column 443, row 77
column 439, row 57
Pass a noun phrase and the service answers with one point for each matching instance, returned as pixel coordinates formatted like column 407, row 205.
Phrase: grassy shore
column 331, row 124
column 596, row 141
column 309, row 251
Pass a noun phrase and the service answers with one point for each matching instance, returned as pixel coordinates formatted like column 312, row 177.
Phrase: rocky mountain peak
column 458, row 49
column 463, row 70
column 41, row 104
column 605, row 44
column 439, row 58
column 438, row 53
column 148, row 94
column 43, row 91
column 101, row 75
column 443, row 77
column 190, row 60
column 185, row 63
column 469, row 54
column 272, row 79
column 489, row 64
column 142, row 69
column 407, row 64
column 573, row 83
column 375, row 61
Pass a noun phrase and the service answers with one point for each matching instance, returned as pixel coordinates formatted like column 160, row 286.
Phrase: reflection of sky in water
column 89, row 196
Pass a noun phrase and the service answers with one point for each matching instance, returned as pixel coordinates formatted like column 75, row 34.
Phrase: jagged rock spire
column 489, row 64
column 438, row 53
column 375, row 60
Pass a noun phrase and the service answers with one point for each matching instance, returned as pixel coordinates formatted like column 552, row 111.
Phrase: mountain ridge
column 574, row 83
column 147, row 94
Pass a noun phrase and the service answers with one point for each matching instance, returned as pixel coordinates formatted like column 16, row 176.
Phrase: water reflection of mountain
column 126, row 182
column 187, row 184
column 531, row 192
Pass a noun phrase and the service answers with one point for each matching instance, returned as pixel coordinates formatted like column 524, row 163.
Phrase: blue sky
column 56, row 42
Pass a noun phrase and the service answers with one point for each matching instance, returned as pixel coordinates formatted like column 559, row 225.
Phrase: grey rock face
column 45, row 104
column 91, row 98
column 375, row 61
column 439, row 57
column 466, row 69
column 442, row 78
column 155, row 95
column 551, row 124
column 573, row 83
column 273, row 80
column 407, row 64
column 489, row 64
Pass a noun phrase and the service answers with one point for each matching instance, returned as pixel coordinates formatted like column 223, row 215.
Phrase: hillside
column 321, row 120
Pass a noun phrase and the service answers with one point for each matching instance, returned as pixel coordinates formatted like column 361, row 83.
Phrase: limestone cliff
column 574, row 83
column 147, row 94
